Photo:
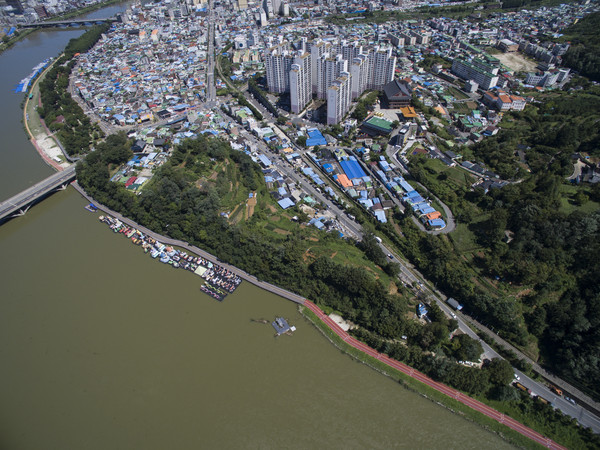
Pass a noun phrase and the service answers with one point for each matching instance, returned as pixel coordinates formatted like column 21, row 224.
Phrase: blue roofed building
column 285, row 203
column 266, row 162
column 315, row 138
column 406, row 186
column 380, row 215
column 352, row 168
column 437, row 224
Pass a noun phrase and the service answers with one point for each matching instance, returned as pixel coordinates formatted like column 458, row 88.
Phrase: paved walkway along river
column 453, row 393
column 166, row 240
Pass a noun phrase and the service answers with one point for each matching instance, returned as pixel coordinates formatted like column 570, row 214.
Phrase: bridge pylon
column 22, row 211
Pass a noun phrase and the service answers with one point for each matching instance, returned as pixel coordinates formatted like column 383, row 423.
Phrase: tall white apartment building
column 349, row 51
column 317, row 50
column 272, row 7
column 338, row 99
column 278, row 62
column 329, row 68
column 358, row 76
column 300, row 85
column 381, row 68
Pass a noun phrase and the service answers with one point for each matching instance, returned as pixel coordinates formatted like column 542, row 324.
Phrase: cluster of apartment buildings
column 335, row 71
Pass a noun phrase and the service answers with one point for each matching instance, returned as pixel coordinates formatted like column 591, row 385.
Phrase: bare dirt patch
column 373, row 272
column 250, row 204
column 516, row 61
column 524, row 293
column 333, row 255
column 307, row 255
column 280, row 231
column 272, row 208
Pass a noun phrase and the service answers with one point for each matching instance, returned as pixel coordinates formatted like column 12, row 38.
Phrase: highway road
column 412, row 276
column 211, row 90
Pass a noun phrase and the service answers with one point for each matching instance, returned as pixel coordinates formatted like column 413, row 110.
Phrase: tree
column 500, row 372
column 465, row 348
column 301, row 141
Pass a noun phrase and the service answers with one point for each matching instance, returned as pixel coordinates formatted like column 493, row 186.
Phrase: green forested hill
column 584, row 54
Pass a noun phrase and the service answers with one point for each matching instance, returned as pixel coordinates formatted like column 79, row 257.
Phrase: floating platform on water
column 281, row 326
column 91, row 207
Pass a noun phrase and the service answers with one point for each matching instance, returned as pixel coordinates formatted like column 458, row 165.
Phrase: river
column 103, row 347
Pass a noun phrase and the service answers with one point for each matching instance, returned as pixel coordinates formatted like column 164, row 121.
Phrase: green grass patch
column 569, row 203
column 461, row 108
column 457, row 94
column 464, row 240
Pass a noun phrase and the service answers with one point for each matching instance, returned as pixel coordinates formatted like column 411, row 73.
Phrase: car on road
column 390, row 256
column 570, row 400
column 517, row 377
column 453, row 315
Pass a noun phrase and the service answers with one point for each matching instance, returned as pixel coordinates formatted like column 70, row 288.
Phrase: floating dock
column 281, row 326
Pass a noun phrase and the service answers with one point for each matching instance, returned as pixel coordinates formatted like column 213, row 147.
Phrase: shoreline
column 450, row 398
column 446, row 396
column 44, row 144
column 24, row 32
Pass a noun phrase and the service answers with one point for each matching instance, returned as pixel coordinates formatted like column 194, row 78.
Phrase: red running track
column 450, row 392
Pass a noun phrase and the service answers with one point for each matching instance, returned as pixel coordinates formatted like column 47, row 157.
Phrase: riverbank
column 506, row 427
column 266, row 286
column 193, row 249
column 40, row 136
column 442, row 394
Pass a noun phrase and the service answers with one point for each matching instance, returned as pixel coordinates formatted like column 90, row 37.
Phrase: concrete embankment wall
column 190, row 248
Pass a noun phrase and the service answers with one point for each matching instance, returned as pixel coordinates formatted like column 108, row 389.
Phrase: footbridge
column 19, row 204
column 68, row 23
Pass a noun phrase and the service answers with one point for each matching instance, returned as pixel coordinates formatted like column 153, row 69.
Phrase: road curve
column 450, row 392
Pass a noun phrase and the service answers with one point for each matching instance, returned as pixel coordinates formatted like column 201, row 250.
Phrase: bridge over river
column 20, row 203
column 68, row 23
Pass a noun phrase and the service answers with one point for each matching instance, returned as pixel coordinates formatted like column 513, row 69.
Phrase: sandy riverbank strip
column 42, row 139
column 339, row 320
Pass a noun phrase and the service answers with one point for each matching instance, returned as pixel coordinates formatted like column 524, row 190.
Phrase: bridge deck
column 32, row 194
